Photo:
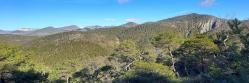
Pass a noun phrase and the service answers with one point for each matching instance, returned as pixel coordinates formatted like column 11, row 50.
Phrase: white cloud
column 110, row 19
column 123, row 1
column 131, row 20
column 207, row 3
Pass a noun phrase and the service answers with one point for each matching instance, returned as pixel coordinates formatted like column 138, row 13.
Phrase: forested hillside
column 191, row 48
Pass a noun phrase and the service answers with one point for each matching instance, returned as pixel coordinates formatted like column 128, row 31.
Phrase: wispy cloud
column 110, row 19
column 207, row 3
column 131, row 20
column 123, row 1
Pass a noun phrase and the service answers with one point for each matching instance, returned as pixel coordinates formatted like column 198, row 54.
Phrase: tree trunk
column 173, row 61
column 127, row 67
column 185, row 68
column 67, row 79
column 224, row 41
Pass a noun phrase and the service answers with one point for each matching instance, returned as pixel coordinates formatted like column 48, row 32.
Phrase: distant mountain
column 46, row 31
column 17, row 32
column 70, row 28
column 93, row 27
column 130, row 24
column 188, row 17
column 195, row 22
column 22, row 31
column 25, row 29
column 96, row 27
column 187, row 24
column 4, row 32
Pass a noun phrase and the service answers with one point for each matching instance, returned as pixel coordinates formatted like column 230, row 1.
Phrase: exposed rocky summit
column 195, row 22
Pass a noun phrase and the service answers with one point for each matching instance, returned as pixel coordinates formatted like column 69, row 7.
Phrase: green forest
column 147, row 53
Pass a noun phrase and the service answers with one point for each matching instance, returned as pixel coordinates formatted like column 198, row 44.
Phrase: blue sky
column 15, row 14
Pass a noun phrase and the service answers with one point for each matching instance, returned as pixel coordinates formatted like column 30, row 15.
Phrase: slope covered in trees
column 191, row 48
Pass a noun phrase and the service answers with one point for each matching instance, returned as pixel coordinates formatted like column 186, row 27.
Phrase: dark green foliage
column 126, row 52
column 12, row 66
column 106, row 68
column 22, row 77
column 103, row 74
column 128, row 48
column 195, row 55
column 221, row 39
column 144, row 77
column 170, row 40
column 144, row 72
column 234, row 25
column 72, row 50
column 229, row 64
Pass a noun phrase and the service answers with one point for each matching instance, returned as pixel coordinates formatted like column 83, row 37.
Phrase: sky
column 16, row 14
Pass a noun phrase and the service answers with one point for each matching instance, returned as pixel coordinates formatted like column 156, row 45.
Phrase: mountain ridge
column 187, row 23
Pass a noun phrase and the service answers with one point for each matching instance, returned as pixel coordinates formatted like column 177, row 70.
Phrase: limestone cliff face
column 195, row 23
column 214, row 24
